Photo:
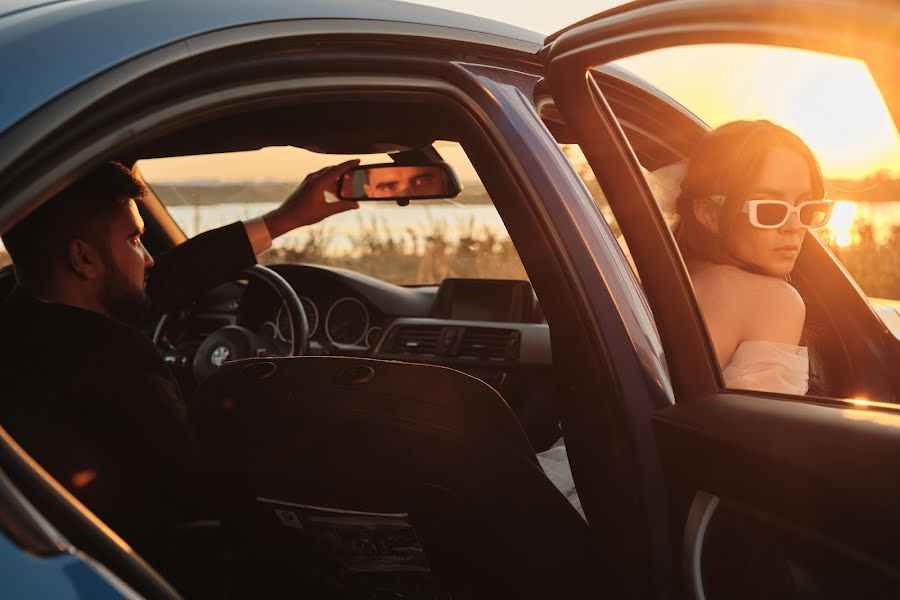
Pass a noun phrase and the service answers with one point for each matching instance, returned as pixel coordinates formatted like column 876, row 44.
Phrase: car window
column 834, row 105
column 576, row 158
column 424, row 242
column 834, row 108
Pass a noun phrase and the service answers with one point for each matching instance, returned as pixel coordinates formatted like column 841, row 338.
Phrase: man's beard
column 121, row 298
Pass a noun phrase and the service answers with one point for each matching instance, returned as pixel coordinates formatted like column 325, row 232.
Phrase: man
column 409, row 181
column 84, row 391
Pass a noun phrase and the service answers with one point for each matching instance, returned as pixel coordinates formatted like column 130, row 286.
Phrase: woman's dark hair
column 727, row 162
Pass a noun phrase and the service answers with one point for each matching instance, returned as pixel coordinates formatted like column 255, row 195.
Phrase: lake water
column 450, row 221
column 848, row 218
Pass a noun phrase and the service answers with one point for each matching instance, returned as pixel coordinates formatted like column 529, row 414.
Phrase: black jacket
column 92, row 401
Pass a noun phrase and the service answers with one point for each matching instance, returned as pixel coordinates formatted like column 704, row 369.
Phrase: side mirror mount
column 400, row 182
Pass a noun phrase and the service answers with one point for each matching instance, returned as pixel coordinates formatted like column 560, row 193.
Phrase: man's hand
column 307, row 204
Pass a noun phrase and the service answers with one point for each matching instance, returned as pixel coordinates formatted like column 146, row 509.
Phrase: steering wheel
column 233, row 342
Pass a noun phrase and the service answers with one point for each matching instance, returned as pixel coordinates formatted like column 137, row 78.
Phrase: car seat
column 372, row 479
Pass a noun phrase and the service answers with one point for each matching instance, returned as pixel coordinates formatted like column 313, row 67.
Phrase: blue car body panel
column 63, row 576
column 48, row 48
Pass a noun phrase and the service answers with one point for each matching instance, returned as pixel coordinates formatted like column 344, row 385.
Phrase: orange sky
column 830, row 102
column 277, row 163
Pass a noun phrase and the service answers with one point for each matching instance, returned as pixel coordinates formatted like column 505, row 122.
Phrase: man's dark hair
column 82, row 210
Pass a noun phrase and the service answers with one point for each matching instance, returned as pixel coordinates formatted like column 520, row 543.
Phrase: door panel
column 769, row 496
column 806, row 494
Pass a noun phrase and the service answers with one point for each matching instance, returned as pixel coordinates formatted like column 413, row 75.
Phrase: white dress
column 756, row 365
column 555, row 463
column 768, row 367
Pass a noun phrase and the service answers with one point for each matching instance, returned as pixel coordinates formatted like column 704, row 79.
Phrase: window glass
column 578, row 161
column 737, row 214
column 576, row 157
column 421, row 243
column 834, row 105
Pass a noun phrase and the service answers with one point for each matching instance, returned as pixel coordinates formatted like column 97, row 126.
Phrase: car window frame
column 30, row 185
column 566, row 55
column 164, row 224
column 509, row 175
column 745, row 448
column 849, row 377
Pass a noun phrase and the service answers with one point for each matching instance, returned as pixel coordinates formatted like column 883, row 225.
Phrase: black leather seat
column 301, row 446
column 7, row 281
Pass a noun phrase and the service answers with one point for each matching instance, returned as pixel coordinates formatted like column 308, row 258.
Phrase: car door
column 769, row 495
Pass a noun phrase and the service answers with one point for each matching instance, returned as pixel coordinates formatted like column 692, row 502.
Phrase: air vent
column 416, row 339
column 483, row 343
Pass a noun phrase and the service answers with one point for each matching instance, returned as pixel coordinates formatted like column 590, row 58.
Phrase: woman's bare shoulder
column 767, row 308
column 739, row 283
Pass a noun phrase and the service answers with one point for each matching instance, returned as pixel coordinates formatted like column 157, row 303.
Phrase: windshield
column 422, row 243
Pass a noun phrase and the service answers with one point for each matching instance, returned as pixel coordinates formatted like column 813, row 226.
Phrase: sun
column 835, row 106
column 841, row 223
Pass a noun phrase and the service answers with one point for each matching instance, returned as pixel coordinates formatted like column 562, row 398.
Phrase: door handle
column 702, row 509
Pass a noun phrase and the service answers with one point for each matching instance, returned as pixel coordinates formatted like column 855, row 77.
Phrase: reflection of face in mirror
column 410, row 182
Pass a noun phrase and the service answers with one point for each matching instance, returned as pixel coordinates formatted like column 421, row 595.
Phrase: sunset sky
column 831, row 102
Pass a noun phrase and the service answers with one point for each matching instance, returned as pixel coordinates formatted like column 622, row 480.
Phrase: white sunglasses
column 772, row 214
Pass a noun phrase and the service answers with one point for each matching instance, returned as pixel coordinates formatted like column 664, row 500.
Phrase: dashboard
column 461, row 322
column 491, row 329
column 347, row 312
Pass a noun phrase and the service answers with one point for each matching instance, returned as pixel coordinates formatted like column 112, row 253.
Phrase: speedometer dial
column 347, row 322
column 283, row 321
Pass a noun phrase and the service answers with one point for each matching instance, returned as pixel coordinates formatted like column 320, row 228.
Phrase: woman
column 750, row 192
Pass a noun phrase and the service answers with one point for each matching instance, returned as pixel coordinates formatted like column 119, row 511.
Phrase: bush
column 412, row 257
column 875, row 267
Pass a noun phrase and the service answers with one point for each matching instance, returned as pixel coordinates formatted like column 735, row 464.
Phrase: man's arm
column 189, row 270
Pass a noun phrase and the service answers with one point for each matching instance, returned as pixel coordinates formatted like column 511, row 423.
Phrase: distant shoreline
column 250, row 192
column 177, row 193
column 872, row 190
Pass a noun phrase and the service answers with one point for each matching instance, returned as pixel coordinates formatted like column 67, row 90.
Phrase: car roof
column 49, row 47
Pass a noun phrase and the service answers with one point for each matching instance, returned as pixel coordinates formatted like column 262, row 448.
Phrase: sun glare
column 841, row 223
column 831, row 102
column 835, row 106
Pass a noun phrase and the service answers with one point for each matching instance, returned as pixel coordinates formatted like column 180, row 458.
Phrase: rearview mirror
column 402, row 183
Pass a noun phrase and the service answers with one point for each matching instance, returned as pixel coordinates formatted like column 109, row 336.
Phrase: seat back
column 376, row 475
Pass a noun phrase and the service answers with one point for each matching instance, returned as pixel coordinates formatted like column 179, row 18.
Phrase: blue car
column 535, row 260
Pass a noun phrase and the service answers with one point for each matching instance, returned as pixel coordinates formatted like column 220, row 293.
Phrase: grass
column 875, row 267
column 412, row 257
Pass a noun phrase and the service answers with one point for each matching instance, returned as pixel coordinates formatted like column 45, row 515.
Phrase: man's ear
column 83, row 259
column 706, row 212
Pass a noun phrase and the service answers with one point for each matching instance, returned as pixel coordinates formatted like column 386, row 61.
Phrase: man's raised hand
column 309, row 204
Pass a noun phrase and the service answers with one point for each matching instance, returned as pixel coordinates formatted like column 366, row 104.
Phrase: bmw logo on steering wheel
column 220, row 356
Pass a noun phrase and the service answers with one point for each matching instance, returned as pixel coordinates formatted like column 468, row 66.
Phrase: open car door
column 770, row 496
